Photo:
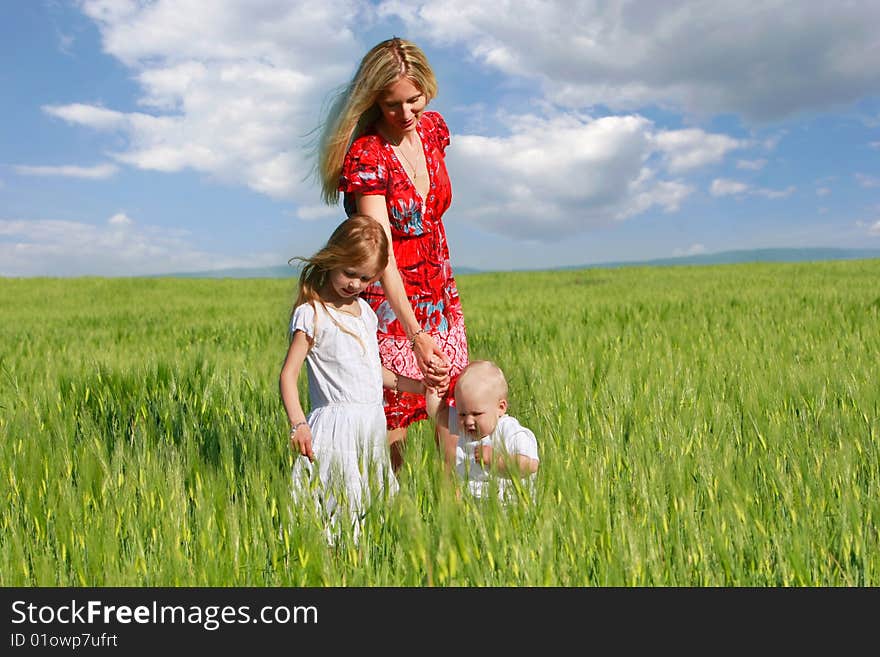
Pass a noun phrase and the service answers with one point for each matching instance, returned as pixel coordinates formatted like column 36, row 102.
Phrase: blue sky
column 144, row 137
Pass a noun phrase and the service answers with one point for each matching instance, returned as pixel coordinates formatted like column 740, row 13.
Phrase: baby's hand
column 443, row 387
column 483, row 454
column 437, row 368
column 432, row 402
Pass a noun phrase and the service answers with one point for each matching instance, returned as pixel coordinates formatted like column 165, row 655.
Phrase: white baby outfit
column 346, row 417
column 509, row 438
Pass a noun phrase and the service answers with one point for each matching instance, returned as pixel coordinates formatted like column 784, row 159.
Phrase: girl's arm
column 433, row 396
column 394, row 381
column 424, row 346
column 301, row 436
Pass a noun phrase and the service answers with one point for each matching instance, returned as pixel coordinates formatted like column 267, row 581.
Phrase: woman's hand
column 431, row 360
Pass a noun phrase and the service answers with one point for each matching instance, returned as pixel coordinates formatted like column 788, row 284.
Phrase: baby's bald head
column 482, row 377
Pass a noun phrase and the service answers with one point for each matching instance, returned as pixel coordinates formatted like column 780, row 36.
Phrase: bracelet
column 297, row 426
column 412, row 340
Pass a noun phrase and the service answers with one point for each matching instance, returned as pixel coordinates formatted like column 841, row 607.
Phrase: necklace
column 415, row 172
column 399, row 151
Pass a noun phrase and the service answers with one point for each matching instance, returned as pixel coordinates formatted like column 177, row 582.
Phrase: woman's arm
column 424, row 346
column 301, row 437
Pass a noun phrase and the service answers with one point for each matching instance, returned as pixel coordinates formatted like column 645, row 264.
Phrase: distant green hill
column 720, row 258
column 751, row 255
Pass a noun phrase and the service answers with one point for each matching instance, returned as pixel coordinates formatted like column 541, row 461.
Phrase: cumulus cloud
column 553, row 177
column 97, row 172
column 232, row 92
column 762, row 61
column 118, row 247
column 692, row 148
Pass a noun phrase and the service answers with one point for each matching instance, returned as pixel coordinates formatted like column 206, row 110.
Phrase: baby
column 493, row 448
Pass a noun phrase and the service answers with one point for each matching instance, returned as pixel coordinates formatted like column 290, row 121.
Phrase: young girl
column 343, row 454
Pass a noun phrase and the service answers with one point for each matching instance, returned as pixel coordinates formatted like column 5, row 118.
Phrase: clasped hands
column 435, row 368
column 433, row 364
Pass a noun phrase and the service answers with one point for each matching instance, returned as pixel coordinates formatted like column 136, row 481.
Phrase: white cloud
column 823, row 191
column 553, row 177
column 99, row 118
column 317, row 211
column 287, row 33
column 737, row 57
column 868, row 181
column 692, row 148
column 874, row 229
column 693, row 249
column 120, row 219
column 728, row 187
column 874, row 144
column 117, row 248
column 751, row 165
column 774, row 193
column 97, row 172
column 231, row 91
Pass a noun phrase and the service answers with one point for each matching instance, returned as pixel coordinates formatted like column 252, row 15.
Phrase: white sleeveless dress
column 352, row 467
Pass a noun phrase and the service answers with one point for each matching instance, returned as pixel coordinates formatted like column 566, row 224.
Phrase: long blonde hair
column 355, row 109
column 358, row 240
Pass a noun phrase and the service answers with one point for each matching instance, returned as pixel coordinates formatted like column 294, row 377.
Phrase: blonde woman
column 385, row 152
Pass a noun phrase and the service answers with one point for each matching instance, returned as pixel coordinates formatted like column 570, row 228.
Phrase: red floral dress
column 419, row 242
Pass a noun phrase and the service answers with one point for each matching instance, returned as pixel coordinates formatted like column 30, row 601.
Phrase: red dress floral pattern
column 420, row 248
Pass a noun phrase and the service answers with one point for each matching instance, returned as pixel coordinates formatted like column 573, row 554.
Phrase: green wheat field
column 698, row 426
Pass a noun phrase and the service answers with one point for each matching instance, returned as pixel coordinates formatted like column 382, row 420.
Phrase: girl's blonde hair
column 354, row 108
column 357, row 241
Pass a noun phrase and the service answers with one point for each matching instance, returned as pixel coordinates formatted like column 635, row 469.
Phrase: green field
column 698, row 426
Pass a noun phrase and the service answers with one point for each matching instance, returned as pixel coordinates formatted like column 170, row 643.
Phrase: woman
column 384, row 151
